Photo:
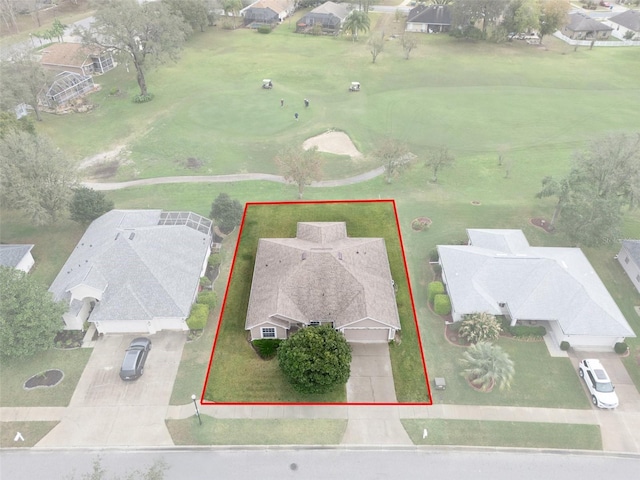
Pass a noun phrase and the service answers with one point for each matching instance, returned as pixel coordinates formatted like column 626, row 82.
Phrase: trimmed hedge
column 527, row 331
column 564, row 345
column 214, row 260
column 267, row 347
column 198, row 318
column 209, row 298
column 442, row 304
column 433, row 289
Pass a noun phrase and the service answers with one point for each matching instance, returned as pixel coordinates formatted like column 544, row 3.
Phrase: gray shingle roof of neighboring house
column 633, row 247
column 629, row 19
column 147, row 262
column 579, row 22
column 329, row 14
column 322, row 275
column 536, row 283
column 11, row 255
column 430, row 14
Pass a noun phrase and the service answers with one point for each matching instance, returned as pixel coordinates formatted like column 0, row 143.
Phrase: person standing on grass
column 306, row 103
column 282, row 102
column 296, row 115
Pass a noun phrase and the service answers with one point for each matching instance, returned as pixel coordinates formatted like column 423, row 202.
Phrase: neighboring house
column 500, row 273
column 322, row 276
column 267, row 12
column 628, row 21
column 76, row 58
column 17, row 256
column 582, row 27
column 135, row 271
column 66, row 86
column 329, row 15
column 629, row 258
column 429, row 19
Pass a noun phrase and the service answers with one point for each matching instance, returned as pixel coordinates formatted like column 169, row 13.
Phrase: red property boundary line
column 413, row 309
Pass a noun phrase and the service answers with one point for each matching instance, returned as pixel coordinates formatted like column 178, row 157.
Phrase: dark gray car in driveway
column 134, row 358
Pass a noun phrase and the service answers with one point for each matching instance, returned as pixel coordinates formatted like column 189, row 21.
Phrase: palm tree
column 357, row 20
column 487, row 365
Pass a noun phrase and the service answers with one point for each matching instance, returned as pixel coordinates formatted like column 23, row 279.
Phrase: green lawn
column 219, row 431
column 261, row 380
column 14, row 372
column 32, row 432
column 473, row 97
column 504, row 434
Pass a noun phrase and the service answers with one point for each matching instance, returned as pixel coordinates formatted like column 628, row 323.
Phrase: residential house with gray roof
column 625, row 22
column 322, row 276
column 429, row 19
column 582, row 27
column 498, row 272
column 629, row 258
column 329, row 16
column 17, row 256
column 135, row 271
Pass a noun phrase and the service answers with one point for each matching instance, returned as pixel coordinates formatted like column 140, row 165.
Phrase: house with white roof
column 629, row 258
column 17, row 256
column 498, row 272
column 322, row 276
column 135, row 271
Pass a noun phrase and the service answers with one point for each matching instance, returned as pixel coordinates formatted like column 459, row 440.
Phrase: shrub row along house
column 498, row 272
column 322, row 276
column 135, row 271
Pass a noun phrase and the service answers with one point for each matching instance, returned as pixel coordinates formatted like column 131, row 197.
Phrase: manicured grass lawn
column 14, row 372
column 504, row 434
column 261, row 380
column 32, row 432
column 216, row 431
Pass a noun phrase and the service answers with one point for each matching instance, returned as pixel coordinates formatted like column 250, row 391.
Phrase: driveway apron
column 106, row 411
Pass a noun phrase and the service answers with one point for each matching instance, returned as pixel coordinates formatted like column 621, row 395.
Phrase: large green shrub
column 564, row 345
column 198, row 318
column 433, row 289
column 209, row 298
column 442, row 304
column 315, row 359
column 214, row 260
column 480, row 327
column 621, row 347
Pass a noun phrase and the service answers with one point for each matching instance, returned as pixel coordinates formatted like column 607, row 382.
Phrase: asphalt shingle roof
column 536, row 283
column 579, row 22
column 145, row 269
column 10, row 255
column 629, row 19
column 633, row 247
column 322, row 275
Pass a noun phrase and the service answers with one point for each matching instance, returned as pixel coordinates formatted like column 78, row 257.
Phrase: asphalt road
column 312, row 464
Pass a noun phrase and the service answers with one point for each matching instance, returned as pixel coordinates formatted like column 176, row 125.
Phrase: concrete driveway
column 371, row 379
column 105, row 410
column 618, row 427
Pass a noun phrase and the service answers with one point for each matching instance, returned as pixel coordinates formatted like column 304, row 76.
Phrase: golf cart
column 355, row 87
column 266, row 83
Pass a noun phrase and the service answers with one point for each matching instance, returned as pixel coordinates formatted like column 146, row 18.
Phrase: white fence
column 597, row 43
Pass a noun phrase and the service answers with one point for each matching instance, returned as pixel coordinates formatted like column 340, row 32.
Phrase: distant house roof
column 12, row 255
column 147, row 263
column 332, row 8
column 633, row 247
column 66, row 54
column 579, row 22
column 276, row 6
column 322, row 275
column 535, row 283
column 629, row 19
column 430, row 14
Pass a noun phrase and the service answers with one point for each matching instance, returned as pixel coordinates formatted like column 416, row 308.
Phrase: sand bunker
column 337, row 143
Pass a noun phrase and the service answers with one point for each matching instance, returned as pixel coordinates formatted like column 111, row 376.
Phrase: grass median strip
column 504, row 434
column 215, row 431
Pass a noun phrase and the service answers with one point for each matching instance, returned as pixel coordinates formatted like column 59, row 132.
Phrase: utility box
column 441, row 384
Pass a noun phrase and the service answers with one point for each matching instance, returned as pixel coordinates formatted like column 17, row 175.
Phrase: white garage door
column 364, row 335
